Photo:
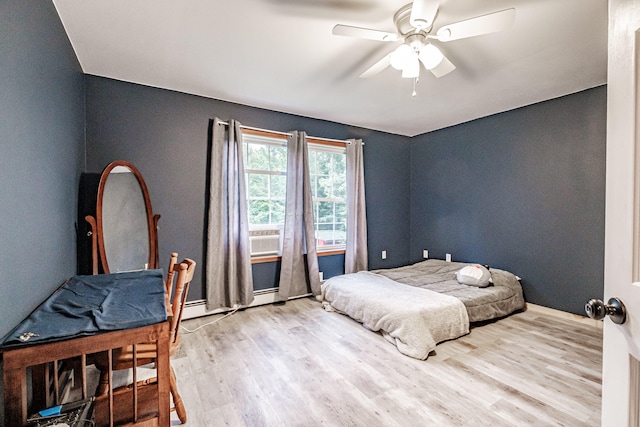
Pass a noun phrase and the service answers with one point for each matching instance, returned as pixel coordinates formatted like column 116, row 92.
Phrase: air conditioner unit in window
column 265, row 242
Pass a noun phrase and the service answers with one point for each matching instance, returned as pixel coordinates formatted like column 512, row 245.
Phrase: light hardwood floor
column 297, row 365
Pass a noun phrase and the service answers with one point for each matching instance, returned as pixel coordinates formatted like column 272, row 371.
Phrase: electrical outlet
column 448, row 258
column 425, row 254
column 384, row 254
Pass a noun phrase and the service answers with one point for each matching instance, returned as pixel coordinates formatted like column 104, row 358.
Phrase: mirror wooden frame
column 98, row 251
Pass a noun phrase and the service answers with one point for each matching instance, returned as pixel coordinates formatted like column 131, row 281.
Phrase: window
column 327, row 167
column 265, row 163
column 265, row 160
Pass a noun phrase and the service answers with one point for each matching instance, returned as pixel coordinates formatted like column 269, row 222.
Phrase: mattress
column 412, row 319
column 503, row 297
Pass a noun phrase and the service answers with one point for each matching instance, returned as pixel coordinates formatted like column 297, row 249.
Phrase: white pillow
column 474, row 275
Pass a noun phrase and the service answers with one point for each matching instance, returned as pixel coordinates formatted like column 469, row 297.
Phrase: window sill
column 274, row 258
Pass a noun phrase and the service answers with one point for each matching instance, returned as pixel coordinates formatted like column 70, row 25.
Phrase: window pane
column 278, row 158
column 314, row 189
column 257, row 157
column 259, row 211
column 323, row 186
column 329, row 235
column 340, row 186
column 277, row 211
column 323, row 163
column 324, row 235
column 325, row 213
column 340, row 164
column 340, row 189
column 278, row 186
column 257, row 185
column 341, row 212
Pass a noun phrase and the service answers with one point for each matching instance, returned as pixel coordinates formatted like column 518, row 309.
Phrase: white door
column 621, row 369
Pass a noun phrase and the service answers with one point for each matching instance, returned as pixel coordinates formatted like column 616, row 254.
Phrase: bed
column 417, row 306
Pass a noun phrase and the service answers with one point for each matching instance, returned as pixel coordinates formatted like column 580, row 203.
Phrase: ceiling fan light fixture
column 400, row 57
column 411, row 69
column 430, row 56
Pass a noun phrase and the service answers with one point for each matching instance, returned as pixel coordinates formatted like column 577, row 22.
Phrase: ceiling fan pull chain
column 415, row 82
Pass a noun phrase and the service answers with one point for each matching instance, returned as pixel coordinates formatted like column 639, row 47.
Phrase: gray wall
column 165, row 134
column 523, row 191
column 42, row 146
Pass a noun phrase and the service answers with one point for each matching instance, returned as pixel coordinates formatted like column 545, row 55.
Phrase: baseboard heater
column 197, row 308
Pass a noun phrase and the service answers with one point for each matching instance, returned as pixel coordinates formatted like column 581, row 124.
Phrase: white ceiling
column 281, row 55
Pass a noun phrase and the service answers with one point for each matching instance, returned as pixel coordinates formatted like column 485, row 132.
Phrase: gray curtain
column 356, row 258
column 228, row 266
column 299, row 232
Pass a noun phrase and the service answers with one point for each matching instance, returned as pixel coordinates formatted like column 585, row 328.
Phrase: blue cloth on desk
column 86, row 305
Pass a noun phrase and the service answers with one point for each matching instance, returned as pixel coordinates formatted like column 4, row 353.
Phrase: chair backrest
column 168, row 286
column 185, row 270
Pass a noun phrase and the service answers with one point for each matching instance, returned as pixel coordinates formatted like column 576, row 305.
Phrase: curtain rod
column 344, row 141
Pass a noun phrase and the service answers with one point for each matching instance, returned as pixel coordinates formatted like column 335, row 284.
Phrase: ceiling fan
column 414, row 27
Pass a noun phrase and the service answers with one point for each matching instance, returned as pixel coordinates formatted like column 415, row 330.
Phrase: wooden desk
column 16, row 361
column 132, row 407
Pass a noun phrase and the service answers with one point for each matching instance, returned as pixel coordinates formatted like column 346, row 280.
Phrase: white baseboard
column 564, row 315
column 194, row 309
column 198, row 308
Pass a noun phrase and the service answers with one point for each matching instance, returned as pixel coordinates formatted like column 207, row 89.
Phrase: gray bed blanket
column 498, row 300
column 413, row 319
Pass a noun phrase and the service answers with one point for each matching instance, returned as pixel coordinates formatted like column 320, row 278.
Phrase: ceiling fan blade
column 423, row 13
column 364, row 33
column 377, row 67
column 443, row 68
column 485, row 24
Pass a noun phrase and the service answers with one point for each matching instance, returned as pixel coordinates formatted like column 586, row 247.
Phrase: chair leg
column 103, row 384
column 177, row 400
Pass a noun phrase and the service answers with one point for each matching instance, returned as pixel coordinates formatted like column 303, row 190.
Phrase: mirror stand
column 123, row 232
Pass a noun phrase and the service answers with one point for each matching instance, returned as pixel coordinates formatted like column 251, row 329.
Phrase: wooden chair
column 146, row 353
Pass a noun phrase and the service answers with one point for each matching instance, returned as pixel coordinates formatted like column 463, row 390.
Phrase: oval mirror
column 125, row 223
